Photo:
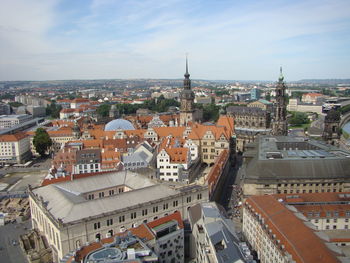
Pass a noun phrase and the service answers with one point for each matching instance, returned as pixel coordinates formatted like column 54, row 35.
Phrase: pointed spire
column 281, row 75
column 187, row 75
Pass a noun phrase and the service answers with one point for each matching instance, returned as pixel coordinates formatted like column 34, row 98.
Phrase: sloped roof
column 65, row 200
column 299, row 240
column 177, row 155
column 13, row 137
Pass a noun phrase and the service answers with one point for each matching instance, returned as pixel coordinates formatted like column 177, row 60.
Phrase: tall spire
column 281, row 78
column 187, row 75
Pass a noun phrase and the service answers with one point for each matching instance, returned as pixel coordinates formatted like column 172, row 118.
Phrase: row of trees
column 160, row 104
column 210, row 111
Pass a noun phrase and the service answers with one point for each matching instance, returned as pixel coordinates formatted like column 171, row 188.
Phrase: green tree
column 211, row 112
column 41, row 141
column 103, row 110
column 299, row 118
column 15, row 104
column 53, row 110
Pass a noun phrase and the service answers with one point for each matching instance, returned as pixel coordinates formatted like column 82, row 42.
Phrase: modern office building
column 8, row 121
column 14, row 148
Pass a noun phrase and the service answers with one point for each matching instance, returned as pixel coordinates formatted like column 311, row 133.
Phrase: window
column 97, row 225
column 175, row 203
column 336, row 214
column 165, row 206
column 155, row 209
column 91, row 196
column 133, row 215
column 199, row 196
column 111, row 192
column 121, row 219
column 144, row 212
column 188, row 199
column 109, row 222
column 101, row 194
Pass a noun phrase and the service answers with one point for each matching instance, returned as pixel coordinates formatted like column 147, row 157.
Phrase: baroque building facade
column 249, row 123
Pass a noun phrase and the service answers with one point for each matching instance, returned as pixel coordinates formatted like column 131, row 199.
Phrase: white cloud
column 117, row 39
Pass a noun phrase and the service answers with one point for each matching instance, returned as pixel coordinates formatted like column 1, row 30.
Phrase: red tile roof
column 13, row 137
column 298, row 239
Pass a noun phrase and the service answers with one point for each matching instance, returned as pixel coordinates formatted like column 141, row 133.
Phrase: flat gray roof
column 283, row 157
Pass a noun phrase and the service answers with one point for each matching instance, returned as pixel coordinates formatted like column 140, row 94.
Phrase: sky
column 124, row 39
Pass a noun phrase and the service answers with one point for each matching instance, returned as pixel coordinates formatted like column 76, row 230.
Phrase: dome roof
column 119, row 124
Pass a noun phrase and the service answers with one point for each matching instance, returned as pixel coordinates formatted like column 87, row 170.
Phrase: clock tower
column 280, row 125
column 187, row 101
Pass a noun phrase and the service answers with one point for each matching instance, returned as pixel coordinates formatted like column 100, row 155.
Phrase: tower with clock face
column 187, row 101
column 280, row 125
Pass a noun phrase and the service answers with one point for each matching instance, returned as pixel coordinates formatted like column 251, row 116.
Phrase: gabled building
column 173, row 163
column 140, row 157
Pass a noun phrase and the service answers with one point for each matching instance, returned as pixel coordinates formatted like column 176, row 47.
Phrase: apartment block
column 278, row 232
column 14, row 148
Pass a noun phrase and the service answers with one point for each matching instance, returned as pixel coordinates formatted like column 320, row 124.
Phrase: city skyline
column 104, row 39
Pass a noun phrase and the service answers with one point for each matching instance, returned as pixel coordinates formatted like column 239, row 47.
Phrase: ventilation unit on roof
column 274, row 155
column 292, row 196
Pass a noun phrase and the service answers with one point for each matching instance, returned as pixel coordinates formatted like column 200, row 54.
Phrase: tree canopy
column 15, row 104
column 299, row 118
column 103, row 109
column 53, row 110
column 41, row 141
column 211, row 112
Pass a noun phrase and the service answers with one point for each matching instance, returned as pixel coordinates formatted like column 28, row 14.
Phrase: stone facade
column 249, row 123
column 331, row 131
column 64, row 237
column 280, row 125
column 187, row 101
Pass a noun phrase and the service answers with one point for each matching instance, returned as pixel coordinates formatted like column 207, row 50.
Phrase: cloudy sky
column 233, row 39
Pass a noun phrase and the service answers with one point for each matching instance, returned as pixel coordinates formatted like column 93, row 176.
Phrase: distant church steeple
column 187, row 100
column 280, row 125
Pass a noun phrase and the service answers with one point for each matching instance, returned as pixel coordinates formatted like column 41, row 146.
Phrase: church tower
column 187, row 100
column 280, row 125
column 331, row 130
